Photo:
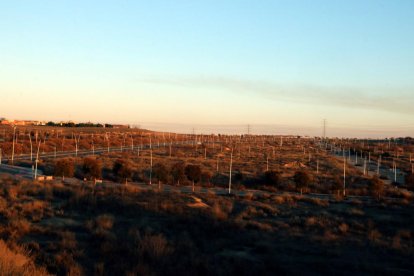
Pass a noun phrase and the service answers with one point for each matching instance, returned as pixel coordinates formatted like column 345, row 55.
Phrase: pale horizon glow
column 215, row 66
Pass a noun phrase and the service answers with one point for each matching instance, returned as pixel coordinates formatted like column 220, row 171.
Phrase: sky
column 280, row 66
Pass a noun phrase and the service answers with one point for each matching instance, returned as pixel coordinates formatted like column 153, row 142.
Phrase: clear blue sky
column 211, row 62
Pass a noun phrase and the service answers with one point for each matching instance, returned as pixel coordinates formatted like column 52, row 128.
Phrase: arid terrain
column 137, row 202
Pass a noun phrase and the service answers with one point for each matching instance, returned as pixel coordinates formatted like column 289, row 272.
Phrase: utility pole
column 150, row 182
column 365, row 166
column 14, row 134
column 317, row 166
column 378, row 165
column 395, row 172
column 31, row 147
column 76, row 144
column 231, row 164
column 356, row 157
column 344, row 175
column 37, row 160
column 324, row 129
column 267, row 163
column 248, row 129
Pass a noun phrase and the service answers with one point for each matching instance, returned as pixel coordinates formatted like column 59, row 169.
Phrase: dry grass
column 17, row 262
column 343, row 228
column 171, row 238
column 374, row 235
column 105, row 222
column 154, row 246
column 316, row 201
column 356, row 212
column 218, row 212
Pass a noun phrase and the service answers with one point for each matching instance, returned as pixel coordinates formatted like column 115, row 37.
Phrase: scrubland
column 288, row 212
column 55, row 228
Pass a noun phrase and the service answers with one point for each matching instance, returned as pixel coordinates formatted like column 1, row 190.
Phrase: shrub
column 409, row 181
column 122, row 169
column 302, row 180
column 206, row 177
column 154, row 247
column 160, row 172
column 376, row 186
column 17, row 262
column 337, row 184
column 64, row 167
column 177, row 172
column 273, row 178
column 105, row 221
column 193, row 173
column 218, row 212
column 238, row 177
column 92, row 168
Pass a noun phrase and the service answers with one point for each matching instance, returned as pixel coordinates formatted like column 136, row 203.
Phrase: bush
column 177, row 172
column 104, row 221
column 238, row 177
column 409, row 181
column 193, row 173
column 376, row 186
column 154, row 247
column 206, row 177
column 17, row 262
column 92, row 168
column 160, row 172
column 64, row 167
column 122, row 169
column 337, row 184
column 273, row 178
column 302, row 180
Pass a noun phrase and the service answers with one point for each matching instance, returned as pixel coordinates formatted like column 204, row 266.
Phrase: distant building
column 6, row 122
column 120, row 126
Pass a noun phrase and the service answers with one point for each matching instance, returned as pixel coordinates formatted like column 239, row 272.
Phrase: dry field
column 121, row 230
column 299, row 222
